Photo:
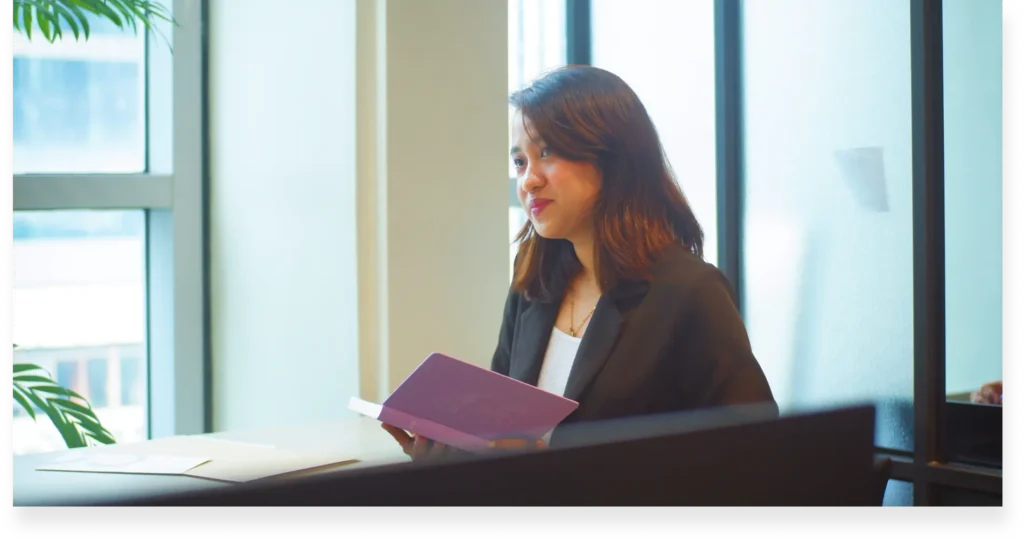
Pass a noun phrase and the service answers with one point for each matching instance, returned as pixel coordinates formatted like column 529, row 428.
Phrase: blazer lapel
column 601, row 336
column 533, row 331
column 596, row 346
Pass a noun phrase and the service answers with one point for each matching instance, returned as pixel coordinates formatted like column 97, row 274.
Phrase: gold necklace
column 573, row 329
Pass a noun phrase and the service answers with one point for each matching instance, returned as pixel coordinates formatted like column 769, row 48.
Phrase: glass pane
column 536, row 39
column 80, row 313
column 79, row 106
column 536, row 44
column 632, row 40
column 972, row 90
column 828, row 269
column 898, row 494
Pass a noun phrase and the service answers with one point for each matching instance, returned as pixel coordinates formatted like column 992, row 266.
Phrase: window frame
column 172, row 192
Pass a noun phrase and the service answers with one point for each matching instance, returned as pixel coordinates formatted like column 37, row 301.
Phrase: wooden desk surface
column 350, row 437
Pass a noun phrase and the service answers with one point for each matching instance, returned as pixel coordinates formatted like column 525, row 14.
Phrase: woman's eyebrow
column 516, row 149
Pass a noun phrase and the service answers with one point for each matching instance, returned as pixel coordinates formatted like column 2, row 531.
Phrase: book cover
column 465, row 406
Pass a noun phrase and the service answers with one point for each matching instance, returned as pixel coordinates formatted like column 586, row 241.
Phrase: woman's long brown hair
column 587, row 114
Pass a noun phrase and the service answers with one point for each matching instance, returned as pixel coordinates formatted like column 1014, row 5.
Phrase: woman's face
column 557, row 194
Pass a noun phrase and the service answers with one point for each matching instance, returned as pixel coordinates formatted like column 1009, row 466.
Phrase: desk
column 350, row 437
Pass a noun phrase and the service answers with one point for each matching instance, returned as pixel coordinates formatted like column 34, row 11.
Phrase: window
column 79, row 106
column 536, row 44
column 108, row 229
column 132, row 382
column 67, row 374
column 79, row 296
column 97, row 369
column 633, row 40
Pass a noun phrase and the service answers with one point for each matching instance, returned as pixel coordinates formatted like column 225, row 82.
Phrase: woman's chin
column 546, row 232
column 553, row 227
column 549, row 235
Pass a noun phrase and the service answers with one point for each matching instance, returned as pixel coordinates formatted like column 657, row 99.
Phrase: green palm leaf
column 69, row 16
column 26, row 18
column 23, row 367
column 51, row 16
column 76, row 422
column 21, row 398
column 70, row 435
column 84, row 420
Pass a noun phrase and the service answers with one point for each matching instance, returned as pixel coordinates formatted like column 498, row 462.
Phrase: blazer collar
column 535, row 324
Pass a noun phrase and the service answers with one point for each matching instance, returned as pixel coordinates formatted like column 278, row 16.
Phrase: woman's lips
column 538, row 205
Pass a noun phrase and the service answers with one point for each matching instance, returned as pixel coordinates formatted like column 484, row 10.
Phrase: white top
column 558, row 361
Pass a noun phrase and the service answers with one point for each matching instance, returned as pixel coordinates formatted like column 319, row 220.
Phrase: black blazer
column 673, row 343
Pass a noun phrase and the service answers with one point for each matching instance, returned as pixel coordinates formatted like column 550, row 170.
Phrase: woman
column 611, row 303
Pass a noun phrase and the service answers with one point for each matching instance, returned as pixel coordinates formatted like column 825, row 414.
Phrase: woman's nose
column 531, row 182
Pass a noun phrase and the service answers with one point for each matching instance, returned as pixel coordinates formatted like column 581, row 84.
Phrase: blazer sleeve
column 723, row 370
column 501, row 360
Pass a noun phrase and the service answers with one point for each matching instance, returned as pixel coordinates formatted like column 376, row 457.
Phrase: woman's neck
column 584, row 249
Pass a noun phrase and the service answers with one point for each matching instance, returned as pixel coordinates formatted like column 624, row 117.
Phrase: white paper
column 219, row 440
column 118, row 462
column 242, row 469
column 368, row 409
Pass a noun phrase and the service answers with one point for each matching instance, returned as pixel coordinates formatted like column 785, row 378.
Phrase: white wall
column 282, row 201
column 433, row 183
column 973, row 80
column 358, row 198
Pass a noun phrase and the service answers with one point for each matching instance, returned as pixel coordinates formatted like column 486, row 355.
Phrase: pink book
column 465, row 406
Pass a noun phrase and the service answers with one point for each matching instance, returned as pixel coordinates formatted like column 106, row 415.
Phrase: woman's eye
column 544, row 153
column 518, row 162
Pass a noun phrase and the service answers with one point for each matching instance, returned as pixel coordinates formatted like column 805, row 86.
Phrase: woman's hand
column 419, row 448
column 416, row 447
column 990, row 393
column 517, row 443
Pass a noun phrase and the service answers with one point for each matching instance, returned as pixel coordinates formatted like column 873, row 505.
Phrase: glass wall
column 972, row 91
column 828, row 247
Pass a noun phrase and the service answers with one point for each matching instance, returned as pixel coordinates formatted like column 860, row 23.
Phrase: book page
column 364, row 407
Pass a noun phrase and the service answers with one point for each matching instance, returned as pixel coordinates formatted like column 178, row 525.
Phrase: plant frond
column 51, row 17
column 77, row 423
column 20, row 398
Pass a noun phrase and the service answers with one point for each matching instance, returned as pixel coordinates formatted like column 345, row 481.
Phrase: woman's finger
column 516, row 443
column 508, row 443
column 421, row 446
column 401, row 436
